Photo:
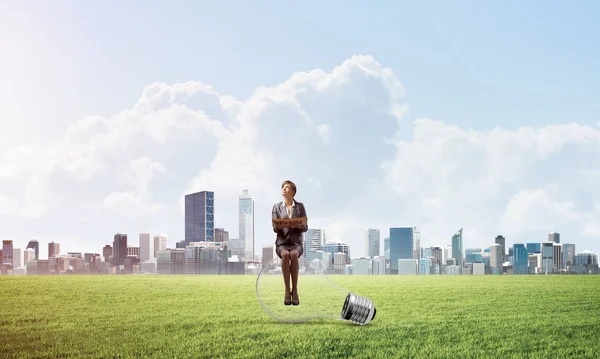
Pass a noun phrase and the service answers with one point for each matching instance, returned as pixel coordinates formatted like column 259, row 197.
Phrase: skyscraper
column 457, row 247
column 416, row 243
column 502, row 242
column 401, row 246
column 473, row 255
column 496, row 258
column 547, row 257
column 33, row 244
column 372, row 242
column 534, row 248
column 119, row 249
column 221, row 235
column 314, row 239
column 7, row 252
column 160, row 244
column 568, row 254
column 558, row 254
column 107, row 252
column 17, row 258
column 554, row 237
column 53, row 249
column 146, row 247
column 199, row 217
column 247, row 224
column 521, row 259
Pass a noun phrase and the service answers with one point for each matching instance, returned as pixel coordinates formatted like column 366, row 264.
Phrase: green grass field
column 219, row 317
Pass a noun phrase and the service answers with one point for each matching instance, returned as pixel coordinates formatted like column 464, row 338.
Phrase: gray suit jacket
column 289, row 235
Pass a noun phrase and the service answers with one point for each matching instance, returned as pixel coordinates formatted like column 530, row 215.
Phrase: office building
column 237, row 248
column 205, row 258
column 337, row 247
column 547, row 257
column 436, row 253
column 521, row 259
column 268, row 254
column 7, row 252
column 457, row 247
column 35, row 245
column 378, row 265
column 17, row 258
column 416, row 243
column 535, row 263
column 534, row 248
column 496, row 258
column 425, row 266
column 107, row 252
column 246, row 222
column 407, row 266
column 558, row 257
column 146, row 247
column 361, row 266
column 28, row 255
column 500, row 240
column 199, row 218
column 53, row 249
column 372, row 241
column 314, row 238
column 586, row 258
column 478, row 269
column 554, row 237
column 339, row 262
column 119, row 249
column 221, row 235
column 447, row 250
column 401, row 246
column 160, row 244
column 473, row 255
column 568, row 254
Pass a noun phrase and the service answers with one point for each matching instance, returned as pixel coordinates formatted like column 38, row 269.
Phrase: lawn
column 220, row 317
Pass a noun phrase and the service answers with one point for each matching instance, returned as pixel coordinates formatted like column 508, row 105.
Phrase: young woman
column 289, row 240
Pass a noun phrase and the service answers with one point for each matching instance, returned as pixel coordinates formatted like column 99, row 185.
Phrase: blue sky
column 469, row 64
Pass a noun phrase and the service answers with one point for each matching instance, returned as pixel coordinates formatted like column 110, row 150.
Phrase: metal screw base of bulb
column 359, row 310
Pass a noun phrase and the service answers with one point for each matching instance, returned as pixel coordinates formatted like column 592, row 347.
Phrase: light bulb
column 319, row 297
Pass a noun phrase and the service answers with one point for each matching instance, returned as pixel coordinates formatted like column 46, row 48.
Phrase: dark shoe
column 287, row 301
column 297, row 301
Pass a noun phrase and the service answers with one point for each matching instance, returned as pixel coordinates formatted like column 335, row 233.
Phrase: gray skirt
column 289, row 247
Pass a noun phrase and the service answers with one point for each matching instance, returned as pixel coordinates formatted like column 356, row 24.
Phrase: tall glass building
column 547, row 257
column 401, row 246
column 533, row 248
column 457, row 247
column 314, row 238
column 521, row 259
column 199, row 217
column 473, row 255
column 502, row 242
column 247, row 225
column 372, row 242
column 568, row 256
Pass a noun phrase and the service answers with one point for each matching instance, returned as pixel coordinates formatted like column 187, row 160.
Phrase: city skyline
column 415, row 233
column 385, row 125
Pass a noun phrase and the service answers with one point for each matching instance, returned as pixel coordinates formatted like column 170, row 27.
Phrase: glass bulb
column 319, row 297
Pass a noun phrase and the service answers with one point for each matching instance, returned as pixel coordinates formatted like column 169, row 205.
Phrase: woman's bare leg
column 295, row 267
column 285, row 268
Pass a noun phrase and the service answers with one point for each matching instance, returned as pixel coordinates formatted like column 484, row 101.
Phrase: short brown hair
column 292, row 185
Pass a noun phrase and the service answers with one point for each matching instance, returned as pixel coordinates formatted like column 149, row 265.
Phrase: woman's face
column 287, row 191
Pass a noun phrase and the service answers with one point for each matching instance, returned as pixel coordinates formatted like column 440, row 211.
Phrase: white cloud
column 336, row 134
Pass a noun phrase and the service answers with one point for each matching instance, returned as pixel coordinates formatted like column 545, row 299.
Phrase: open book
column 289, row 222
